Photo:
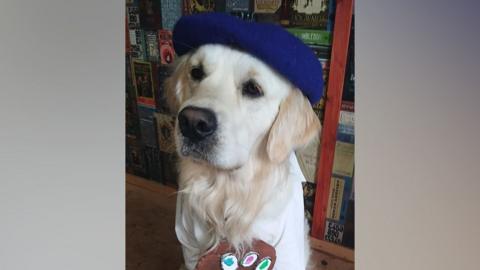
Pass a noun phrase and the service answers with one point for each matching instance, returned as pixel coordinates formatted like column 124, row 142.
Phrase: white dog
column 237, row 126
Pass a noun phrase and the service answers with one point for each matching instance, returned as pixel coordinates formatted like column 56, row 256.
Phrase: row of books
column 162, row 14
column 149, row 123
column 341, row 185
column 339, row 223
column 150, row 150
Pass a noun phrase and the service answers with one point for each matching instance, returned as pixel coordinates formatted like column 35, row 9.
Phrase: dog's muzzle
column 196, row 123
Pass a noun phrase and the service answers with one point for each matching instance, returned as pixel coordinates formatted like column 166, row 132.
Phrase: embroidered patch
column 229, row 262
column 264, row 264
column 249, row 259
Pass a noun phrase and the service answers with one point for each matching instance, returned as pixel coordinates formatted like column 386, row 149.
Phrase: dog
column 238, row 124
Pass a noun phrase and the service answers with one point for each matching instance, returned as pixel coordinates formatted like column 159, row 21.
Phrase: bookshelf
column 149, row 125
column 338, row 61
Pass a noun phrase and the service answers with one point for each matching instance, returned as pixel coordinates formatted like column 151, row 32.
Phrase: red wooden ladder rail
column 338, row 60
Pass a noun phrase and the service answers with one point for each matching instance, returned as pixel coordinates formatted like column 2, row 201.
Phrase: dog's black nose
column 197, row 123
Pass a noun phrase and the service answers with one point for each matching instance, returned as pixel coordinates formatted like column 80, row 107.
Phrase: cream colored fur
column 250, row 168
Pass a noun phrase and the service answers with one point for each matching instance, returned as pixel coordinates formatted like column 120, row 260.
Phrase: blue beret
column 270, row 43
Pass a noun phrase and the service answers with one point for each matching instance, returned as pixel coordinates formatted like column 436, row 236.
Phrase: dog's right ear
column 175, row 85
column 296, row 125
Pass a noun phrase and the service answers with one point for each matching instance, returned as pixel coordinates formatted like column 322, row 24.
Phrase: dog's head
column 231, row 105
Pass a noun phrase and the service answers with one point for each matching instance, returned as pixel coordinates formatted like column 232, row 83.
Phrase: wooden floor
column 151, row 243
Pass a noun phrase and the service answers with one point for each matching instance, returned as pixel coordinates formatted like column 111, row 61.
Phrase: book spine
column 153, row 160
column 133, row 17
column 346, row 127
column 312, row 36
column 149, row 132
column 195, row 6
column 163, row 72
column 166, row 132
column 143, row 81
column 135, row 158
column 237, row 6
column 150, row 14
column 165, row 43
column 151, row 44
column 171, row 12
column 309, row 13
column 137, row 44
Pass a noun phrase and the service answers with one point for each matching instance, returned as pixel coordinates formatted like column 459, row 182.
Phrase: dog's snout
column 197, row 123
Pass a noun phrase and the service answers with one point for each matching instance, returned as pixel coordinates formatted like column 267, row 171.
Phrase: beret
column 270, row 43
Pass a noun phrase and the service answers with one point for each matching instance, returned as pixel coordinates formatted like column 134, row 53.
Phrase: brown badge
column 261, row 256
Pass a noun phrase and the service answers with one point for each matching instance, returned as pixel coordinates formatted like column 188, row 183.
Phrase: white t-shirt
column 284, row 230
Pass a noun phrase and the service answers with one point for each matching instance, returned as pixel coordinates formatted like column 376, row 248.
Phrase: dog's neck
column 228, row 202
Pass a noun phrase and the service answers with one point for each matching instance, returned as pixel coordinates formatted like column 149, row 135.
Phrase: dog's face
column 226, row 103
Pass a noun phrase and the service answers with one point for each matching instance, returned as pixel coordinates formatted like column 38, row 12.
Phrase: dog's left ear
column 175, row 85
column 296, row 124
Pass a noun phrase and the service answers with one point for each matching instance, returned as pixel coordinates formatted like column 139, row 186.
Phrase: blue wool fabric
column 270, row 43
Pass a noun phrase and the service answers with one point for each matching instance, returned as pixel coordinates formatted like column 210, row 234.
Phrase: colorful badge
column 264, row 264
column 229, row 262
column 249, row 259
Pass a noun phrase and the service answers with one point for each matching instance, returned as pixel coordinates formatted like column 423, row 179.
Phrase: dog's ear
column 296, row 124
column 174, row 86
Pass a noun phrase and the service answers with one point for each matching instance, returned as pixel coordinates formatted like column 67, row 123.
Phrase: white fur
column 246, row 179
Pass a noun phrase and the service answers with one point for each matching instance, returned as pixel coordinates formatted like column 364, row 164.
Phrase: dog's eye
column 251, row 89
column 197, row 73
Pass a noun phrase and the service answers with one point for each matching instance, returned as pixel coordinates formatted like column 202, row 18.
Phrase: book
column 339, row 205
column 237, row 6
column 331, row 14
column 312, row 36
column 272, row 11
column 133, row 17
column 349, row 227
column 337, row 186
column 131, row 2
column 339, row 214
column 163, row 72
column 169, row 169
column 307, row 159
column 171, row 12
column 266, row 6
column 127, row 36
column 339, row 195
column 135, row 159
column 334, row 232
column 198, row 6
column 346, row 127
column 343, row 159
column 150, row 14
column 347, row 106
column 349, row 83
column 131, row 115
column 148, row 132
column 145, row 112
column 319, row 109
column 166, row 132
column 142, row 79
column 153, row 160
column 137, row 44
column 309, row 14
column 165, row 43
column 151, row 44
column 308, row 200
column 244, row 15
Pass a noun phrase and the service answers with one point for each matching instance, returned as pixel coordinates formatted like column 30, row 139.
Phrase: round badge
column 229, row 262
column 249, row 259
column 264, row 264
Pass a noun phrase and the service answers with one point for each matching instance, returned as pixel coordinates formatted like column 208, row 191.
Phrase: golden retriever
column 238, row 123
